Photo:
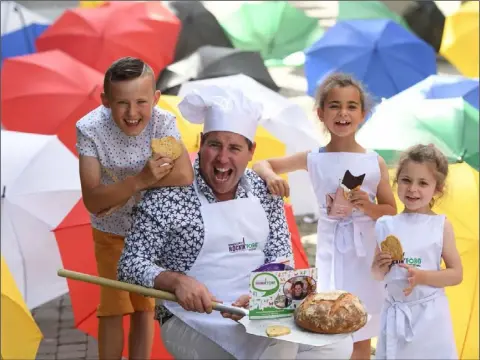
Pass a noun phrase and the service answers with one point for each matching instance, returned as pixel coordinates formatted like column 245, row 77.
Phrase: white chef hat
column 222, row 109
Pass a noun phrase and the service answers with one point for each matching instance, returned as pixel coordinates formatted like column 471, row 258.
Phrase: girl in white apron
column 346, row 240
column 415, row 321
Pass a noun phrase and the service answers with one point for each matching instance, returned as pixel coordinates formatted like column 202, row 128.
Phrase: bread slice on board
column 277, row 330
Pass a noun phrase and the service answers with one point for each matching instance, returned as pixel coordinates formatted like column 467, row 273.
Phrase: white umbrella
column 282, row 118
column 40, row 185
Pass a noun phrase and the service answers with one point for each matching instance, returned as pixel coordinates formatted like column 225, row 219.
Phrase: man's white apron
column 236, row 233
column 417, row 326
column 345, row 247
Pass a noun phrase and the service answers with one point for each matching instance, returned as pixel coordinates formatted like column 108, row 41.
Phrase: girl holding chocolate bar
column 416, row 320
column 353, row 190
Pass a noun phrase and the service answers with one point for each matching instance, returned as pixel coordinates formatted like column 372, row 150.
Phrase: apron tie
column 344, row 241
column 398, row 322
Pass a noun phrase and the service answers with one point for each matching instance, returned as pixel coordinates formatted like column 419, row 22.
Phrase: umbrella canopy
column 199, row 28
column 427, row 21
column 20, row 335
column 212, row 62
column 444, row 87
column 460, row 205
column 20, row 29
column 276, row 29
column 351, row 10
column 99, row 36
column 385, row 56
column 47, row 93
column 91, row 4
column 284, row 120
column 40, row 184
column 450, row 124
column 460, row 41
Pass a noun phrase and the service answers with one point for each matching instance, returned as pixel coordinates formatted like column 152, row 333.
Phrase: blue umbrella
column 382, row 54
column 443, row 87
column 20, row 28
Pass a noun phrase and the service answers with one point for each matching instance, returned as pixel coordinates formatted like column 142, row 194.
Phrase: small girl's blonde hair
column 427, row 154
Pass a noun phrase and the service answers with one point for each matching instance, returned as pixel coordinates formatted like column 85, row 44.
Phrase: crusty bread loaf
column 334, row 312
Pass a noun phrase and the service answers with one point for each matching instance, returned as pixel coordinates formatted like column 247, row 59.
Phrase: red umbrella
column 98, row 36
column 47, row 93
column 75, row 242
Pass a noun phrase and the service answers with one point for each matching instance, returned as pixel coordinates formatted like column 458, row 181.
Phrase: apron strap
column 398, row 322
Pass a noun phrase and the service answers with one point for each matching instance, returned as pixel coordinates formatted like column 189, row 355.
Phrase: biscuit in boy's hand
column 167, row 146
column 392, row 245
column 277, row 330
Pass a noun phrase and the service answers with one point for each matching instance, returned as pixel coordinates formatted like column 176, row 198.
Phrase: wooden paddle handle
column 158, row 294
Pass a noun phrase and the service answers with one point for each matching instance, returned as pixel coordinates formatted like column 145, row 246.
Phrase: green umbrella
column 450, row 124
column 276, row 29
column 351, row 10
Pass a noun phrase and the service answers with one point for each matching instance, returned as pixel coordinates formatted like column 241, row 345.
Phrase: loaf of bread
column 334, row 312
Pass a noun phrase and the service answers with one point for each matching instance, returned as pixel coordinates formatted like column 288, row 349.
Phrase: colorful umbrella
column 199, row 28
column 460, row 205
column 91, row 4
column 286, row 121
column 20, row 28
column 450, row 124
column 213, row 62
column 276, row 29
column 40, row 184
column 444, row 87
column 99, row 36
column 47, row 93
column 351, row 10
column 460, row 39
column 385, row 56
column 75, row 241
column 426, row 20
column 20, row 335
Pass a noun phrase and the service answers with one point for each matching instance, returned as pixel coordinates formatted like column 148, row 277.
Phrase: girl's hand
column 278, row 186
column 359, row 198
column 414, row 278
column 382, row 261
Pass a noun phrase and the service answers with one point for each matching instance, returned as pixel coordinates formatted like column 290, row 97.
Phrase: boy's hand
column 156, row 168
column 278, row 186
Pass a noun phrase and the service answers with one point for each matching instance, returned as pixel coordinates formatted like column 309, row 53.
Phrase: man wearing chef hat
column 201, row 242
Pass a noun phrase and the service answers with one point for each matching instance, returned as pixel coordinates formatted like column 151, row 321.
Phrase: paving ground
column 55, row 319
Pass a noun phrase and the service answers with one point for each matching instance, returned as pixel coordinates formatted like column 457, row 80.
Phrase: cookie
column 277, row 330
column 167, row 146
column 392, row 245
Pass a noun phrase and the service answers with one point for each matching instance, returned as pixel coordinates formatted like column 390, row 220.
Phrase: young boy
column 116, row 166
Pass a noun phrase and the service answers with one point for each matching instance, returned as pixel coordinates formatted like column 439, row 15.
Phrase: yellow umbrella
column 268, row 146
column 460, row 205
column 20, row 334
column 460, row 39
column 91, row 4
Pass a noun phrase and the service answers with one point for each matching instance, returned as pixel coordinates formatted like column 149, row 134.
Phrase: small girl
column 346, row 242
column 416, row 321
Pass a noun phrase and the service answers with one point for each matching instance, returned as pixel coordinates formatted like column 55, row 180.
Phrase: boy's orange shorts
column 108, row 249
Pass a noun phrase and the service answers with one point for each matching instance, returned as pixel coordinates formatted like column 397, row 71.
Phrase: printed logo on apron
column 242, row 246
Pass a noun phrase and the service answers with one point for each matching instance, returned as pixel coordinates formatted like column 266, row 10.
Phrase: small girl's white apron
column 236, row 233
column 417, row 326
column 345, row 247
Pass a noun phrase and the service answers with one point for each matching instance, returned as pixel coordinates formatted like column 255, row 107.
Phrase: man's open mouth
column 222, row 174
